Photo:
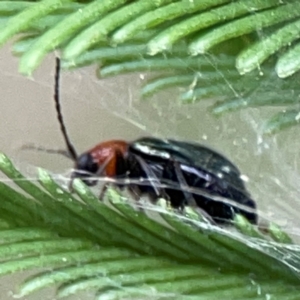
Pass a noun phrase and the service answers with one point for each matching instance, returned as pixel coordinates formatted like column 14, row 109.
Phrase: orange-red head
column 101, row 160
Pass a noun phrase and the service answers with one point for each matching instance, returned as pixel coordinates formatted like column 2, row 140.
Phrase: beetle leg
column 150, row 175
column 120, row 170
column 100, row 173
column 137, row 165
column 103, row 191
column 183, row 184
column 154, row 197
column 184, row 187
column 134, row 192
column 70, row 186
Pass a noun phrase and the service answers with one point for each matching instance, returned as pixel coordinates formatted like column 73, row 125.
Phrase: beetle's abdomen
column 194, row 171
column 220, row 199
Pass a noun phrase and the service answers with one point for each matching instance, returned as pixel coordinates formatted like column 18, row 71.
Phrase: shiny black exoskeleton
column 189, row 172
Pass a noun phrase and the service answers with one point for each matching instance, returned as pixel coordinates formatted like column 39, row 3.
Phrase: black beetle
column 178, row 171
column 184, row 173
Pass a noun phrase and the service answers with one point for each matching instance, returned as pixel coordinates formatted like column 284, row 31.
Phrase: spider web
column 269, row 163
column 97, row 110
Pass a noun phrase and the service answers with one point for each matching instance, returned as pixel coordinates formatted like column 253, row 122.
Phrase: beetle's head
column 86, row 169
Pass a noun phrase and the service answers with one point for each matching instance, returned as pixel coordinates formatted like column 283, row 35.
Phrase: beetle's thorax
column 106, row 153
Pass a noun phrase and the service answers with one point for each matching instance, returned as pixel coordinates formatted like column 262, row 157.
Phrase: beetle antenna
column 65, row 153
column 70, row 148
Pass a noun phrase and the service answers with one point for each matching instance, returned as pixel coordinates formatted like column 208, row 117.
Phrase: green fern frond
column 120, row 252
column 227, row 38
column 81, row 26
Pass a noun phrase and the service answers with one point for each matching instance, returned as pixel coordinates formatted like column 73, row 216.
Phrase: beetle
column 182, row 172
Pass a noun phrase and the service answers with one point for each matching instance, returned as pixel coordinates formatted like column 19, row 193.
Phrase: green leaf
column 135, row 254
column 168, row 37
column 256, row 54
column 289, row 62
column 144, row 36
column 99, row 30
column 63, row 30
column 243, row 26
column 23, row 20
column 282, row 120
